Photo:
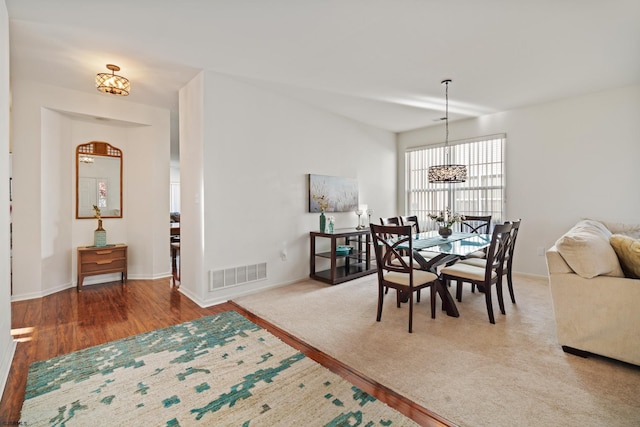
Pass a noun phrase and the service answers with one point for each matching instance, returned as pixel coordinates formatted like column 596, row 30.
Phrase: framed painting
column 335, row 193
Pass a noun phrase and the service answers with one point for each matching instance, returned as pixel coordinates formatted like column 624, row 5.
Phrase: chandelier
column 447, row 173
column 111, row 83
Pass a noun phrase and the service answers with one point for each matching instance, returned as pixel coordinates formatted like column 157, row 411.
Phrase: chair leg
column 418, row 296
column 487, row 297
column 510, row 284
column 459, row 290
column 410, row 312
column 380, row 300
column 499, row 292
column 433, row 300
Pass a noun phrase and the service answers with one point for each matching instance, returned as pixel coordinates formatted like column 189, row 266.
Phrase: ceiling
column 377, row 62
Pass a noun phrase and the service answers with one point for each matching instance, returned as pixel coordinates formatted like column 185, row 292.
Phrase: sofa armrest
column 598, row 315
column 555, row 262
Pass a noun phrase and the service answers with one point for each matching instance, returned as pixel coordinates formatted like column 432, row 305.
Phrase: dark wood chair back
column 476, row 224
column 411, row 220
column 515, row 226
column 386, row 240
column 497, row 251
column 390, row 221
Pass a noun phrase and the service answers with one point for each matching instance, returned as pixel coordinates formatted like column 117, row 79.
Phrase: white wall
column 257, row 149
column 7, row 345
column 568, row 159
column 48, row 123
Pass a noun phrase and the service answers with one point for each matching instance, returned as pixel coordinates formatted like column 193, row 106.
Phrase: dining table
column 447, row 251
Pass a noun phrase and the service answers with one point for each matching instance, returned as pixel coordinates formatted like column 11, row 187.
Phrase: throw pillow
column 628, row 251
column 587, row 250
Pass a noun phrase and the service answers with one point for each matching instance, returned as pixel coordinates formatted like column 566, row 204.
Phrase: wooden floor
column 68, row 321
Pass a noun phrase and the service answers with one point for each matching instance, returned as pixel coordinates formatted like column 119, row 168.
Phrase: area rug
column 219, row 370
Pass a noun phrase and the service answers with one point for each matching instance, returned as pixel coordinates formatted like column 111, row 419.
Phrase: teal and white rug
column 220, row 370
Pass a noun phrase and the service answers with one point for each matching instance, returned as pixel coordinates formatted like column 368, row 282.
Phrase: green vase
column 100, row 235
column 323, row 222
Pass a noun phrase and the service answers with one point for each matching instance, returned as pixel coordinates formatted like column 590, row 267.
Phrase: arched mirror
column 98, row 180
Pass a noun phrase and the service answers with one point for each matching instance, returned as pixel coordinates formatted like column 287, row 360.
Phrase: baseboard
column 233, row 292
column 532, row 276
column 42, row 294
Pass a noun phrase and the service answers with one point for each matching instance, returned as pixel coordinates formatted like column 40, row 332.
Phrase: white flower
column 447, row 218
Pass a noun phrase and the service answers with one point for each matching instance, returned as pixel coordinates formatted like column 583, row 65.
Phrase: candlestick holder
column 359, row 213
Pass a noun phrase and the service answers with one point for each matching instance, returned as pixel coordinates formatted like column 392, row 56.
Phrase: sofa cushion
column 587, row 250
column 628, row 251
column 631, row 230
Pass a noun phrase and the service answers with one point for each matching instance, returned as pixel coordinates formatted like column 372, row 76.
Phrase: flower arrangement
column 331, row 219
column 322, row 202
column 447, row 218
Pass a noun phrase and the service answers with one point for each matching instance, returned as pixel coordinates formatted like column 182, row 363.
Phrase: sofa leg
column 575, row 351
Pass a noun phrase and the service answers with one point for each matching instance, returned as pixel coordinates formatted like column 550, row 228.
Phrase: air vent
column 235, row 276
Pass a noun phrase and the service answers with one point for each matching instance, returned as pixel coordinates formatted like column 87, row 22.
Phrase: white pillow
column 587, row 250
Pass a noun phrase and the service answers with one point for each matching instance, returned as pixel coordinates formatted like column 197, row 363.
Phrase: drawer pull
column 107, row 261
column 103, row 252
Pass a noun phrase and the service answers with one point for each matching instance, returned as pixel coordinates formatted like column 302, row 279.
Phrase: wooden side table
column 94, row 260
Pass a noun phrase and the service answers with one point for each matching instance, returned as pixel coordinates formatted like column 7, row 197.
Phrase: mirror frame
column 96, row 148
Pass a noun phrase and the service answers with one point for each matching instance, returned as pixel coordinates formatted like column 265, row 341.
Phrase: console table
column 356, row 263
column 94, row 260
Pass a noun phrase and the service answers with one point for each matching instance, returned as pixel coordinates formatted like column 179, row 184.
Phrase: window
column 483, row 193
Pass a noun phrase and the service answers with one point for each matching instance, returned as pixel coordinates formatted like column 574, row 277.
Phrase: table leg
column 448, row 303
column 175, row 251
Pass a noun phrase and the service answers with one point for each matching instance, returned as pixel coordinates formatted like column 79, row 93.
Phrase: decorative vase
column 330, row 227
column 445, row 232
column 100, row 235
column 323, row 222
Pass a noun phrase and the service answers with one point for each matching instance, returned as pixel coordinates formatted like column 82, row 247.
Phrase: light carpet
column 220, row 370
column 465, row 369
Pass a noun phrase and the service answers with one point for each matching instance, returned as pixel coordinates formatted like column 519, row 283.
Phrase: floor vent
column 234, row 276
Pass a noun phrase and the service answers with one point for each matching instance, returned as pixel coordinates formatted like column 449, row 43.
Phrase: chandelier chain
column 446, row 121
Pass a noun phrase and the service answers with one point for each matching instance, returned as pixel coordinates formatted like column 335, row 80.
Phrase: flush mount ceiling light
column 447, row 173
column 111, row 83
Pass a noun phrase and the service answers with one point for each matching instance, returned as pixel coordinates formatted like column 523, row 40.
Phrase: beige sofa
column 597, row 308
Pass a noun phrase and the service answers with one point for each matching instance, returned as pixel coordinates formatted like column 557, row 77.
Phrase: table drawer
column 103, row 265
column 103, row 255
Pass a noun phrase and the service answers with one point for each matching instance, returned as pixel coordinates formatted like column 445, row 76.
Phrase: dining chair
column 508, row 259
column 396, row 270
column 484, row 277
column 390, row 221
column 411, row 220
